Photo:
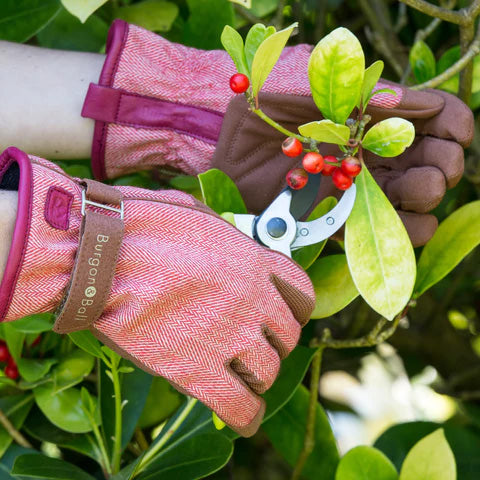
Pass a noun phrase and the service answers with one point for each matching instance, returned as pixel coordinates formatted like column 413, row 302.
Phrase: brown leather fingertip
column 420, row 227
column 252, row 428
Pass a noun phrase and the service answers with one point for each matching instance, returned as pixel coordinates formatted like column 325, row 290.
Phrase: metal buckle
column 86, row 202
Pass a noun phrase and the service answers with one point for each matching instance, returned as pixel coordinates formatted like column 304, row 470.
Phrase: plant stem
column 309, row 440
column 467, row 33
column 154, row 449
column 140, row 437
column 437, row 12
column 117, row 441
column 13, row 432
column 277, row 126
column 101, row 444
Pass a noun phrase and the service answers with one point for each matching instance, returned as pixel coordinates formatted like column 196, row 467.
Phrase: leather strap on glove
column 191, row 299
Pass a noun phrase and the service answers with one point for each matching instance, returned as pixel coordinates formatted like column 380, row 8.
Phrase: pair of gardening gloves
column 158, row 276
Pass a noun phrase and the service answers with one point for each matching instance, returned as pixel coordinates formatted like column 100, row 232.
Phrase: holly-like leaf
column 232, row 42
column 326, row 131
column 454, row 239
column 267, row 56
column 255, row 36
column 365, row 463
column 333, row 284
column 72, row 369
column 155, row 15
column 379, row 252
column 336, row 71
column 389, row 137
column 422, row 62
column 82, row 9
column 370, row 79
column 42, row 322
column 87, row 342
column 33, row 369
column 430, row 459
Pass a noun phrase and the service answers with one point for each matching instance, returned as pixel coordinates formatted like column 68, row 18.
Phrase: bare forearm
column 41, row 94
column 8, row 209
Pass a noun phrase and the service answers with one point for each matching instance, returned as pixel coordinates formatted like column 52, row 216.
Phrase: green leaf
column 37, row 467
column 154, row 15
column 82, row 9
column 14, row 339
column 379, row 252
column 389, row 137
column 455, row 238
column 326, row 131
column 370, row 79
column 220, row 192
column 333, row 284
column 16, row 409
column 22, row 19
column 267, row 56
column 232, row 42
column 307, row 255
column 255, row 36
column 87, row 342
column 336, row 72
column 66, row 32
column 430, row 459
column 286, row 431
column 42, row 322
column 422, row 62
column 63, row 409
column 365, row 463
column 197, row 456
column 33, row 369
column 72, row 369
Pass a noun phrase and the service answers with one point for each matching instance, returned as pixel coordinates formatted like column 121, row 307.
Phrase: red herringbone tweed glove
column 192, row 298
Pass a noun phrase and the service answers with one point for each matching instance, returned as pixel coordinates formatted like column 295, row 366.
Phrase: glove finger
column 418, row 189
column 257, row 367
column 420, row 227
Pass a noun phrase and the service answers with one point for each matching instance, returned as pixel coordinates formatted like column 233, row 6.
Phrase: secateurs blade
column 278, row 227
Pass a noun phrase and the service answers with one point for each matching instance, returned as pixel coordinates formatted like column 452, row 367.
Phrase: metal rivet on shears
column 304, row 232
column 330, row 220
column 276, row 227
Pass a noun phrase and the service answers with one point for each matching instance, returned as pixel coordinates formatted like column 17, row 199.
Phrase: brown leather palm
column 249, row 151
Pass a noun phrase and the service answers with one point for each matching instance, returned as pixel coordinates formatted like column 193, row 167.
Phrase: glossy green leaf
column 87, row 342
column 455, row 238
column 326, row 131
column 196, row 457
column 305, row 256
column 232, row 42
column 72, row 369
column 33, row 369
column 63, row 409
column 155, row 411
column 22, row 19
column 255, row 36
column 220, row 192
column 154, row 15
column 9, row 457
column 379, row 252
column 16, row 409
column 450, row 57
column 365, row 463
column 82, row 9
column 336, row 72
column 66, row 32
column 422, row 62
column 267, row 56
column 42, row 322
column 286, row 431
column 14, row 339
column 333, row 284
column 41, row 467
column 389, row 137
column 430, row 459
column 370, row 79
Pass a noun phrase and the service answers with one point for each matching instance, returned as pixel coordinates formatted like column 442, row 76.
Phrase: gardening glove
column 163, row 104
column 172, row 286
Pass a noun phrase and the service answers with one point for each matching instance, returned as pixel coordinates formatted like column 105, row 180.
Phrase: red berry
column 297, row 178
column 313, row 162
column 351, row 166
column 4, row 353
column 292, row 147
column 239, row 83
column 328, row 168
column 340, row 180
column 11, row 372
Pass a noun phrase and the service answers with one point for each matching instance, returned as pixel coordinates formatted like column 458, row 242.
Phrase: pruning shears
column 278, row 226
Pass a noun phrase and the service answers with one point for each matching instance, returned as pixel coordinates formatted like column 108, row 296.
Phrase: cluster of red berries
column 342, row 173
column 11, row 370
